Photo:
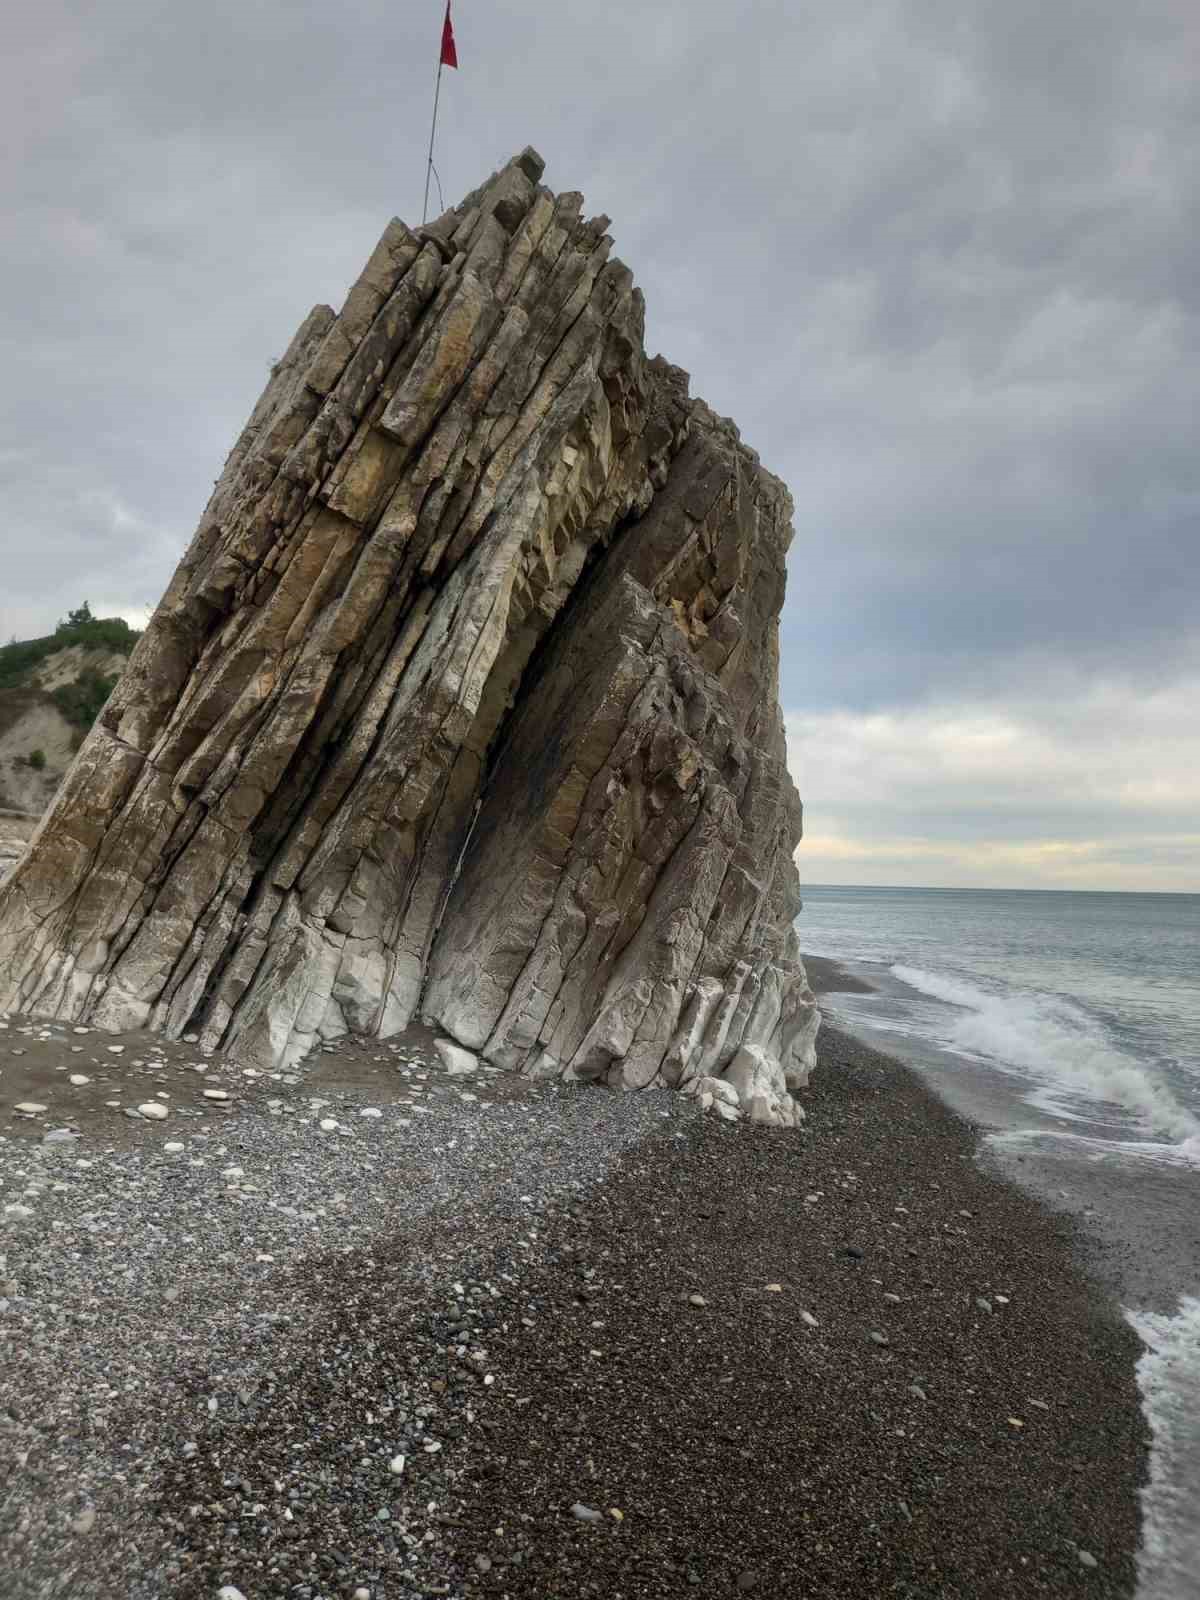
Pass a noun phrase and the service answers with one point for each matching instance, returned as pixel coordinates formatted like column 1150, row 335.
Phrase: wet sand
column 827, row 977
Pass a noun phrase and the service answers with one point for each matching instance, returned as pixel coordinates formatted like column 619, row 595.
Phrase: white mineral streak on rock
column 462, row 703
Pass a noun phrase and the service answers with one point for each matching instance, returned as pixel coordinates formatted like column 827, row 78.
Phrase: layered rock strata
column 462, row 704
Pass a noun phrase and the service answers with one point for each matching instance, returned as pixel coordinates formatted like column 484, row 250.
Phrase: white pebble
column 78, row 1079
column 328, row 1124
column 370, row 1111
column 214, row 1094
column 173, row 1146
column 115, row 1049
column 396, row 1465
column 153, row 1110
column 30, row 1107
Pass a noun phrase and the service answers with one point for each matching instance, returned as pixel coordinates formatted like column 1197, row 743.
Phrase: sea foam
column 1056, row 1042
column 1169, row 1378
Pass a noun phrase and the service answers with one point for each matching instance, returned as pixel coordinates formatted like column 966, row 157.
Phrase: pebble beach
column 379, row 1329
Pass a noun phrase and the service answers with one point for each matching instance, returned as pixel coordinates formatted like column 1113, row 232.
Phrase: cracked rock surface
column 461, row 706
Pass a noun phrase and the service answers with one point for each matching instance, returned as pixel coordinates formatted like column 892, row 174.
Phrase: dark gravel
column 702, row 1380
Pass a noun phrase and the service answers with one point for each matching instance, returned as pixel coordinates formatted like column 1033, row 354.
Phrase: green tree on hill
column 77, row 618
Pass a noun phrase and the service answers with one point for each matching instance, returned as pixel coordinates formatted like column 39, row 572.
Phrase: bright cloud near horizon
column 936, row 257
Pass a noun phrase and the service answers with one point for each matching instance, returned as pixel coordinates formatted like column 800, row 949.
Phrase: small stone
column 227, row 1591
column 457, row 1061
column 328, row 1124
column 483, row 1563
column 60, row 1136
column 214, row 1094
column 29, row 1108
column 774, row 1288
column 809, row 1320
column 115, row 1049
column 18, row 1213
column 984, row 1305
column 190, row 1038
column 85, row 1521
column 172, row 1146
column 361, row 1593
column 697, row 1300
column 1087, row 1559
column 78, row 1079
column 916, row 1389
column 153, row 1109
column 880, row 1339
column 892, row 1299
column 583, row 1513
column 370, row 1111
column 396, row 1465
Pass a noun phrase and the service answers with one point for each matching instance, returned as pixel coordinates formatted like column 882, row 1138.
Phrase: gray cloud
column 937, row 257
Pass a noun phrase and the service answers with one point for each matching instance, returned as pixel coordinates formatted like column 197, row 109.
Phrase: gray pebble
column 583, row 1513
column 1087, row 1559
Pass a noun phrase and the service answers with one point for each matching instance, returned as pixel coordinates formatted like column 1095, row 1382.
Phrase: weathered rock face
column 461, row 704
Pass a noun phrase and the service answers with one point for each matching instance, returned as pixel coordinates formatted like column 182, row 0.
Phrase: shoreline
column 637, row 1281
column 827, row 976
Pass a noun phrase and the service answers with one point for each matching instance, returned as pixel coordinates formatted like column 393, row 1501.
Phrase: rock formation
column 461, row 705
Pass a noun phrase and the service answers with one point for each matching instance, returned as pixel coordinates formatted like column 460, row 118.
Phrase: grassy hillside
column 20, row 660
column 51, row 691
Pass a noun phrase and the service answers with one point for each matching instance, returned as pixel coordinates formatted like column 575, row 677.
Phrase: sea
column 1066, row 1025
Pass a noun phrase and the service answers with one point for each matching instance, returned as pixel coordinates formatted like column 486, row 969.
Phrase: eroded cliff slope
column 462, row 704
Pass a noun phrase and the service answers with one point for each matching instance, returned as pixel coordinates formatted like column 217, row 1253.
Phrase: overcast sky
column 938, row 258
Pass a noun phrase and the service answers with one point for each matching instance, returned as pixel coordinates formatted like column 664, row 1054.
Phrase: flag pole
column 432, row 131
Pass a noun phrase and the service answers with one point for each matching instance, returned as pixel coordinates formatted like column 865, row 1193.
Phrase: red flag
column 449, row 53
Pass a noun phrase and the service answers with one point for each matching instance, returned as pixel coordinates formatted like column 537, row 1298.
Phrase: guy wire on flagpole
column 447, row 57
column 432, row 131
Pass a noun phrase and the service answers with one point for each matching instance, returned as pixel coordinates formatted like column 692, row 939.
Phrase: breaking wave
column 1059, row 1044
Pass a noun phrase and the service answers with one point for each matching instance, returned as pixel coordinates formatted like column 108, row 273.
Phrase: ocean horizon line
column 963, row 888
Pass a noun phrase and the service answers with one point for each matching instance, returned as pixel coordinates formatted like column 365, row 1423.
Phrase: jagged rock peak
column 461, row 705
